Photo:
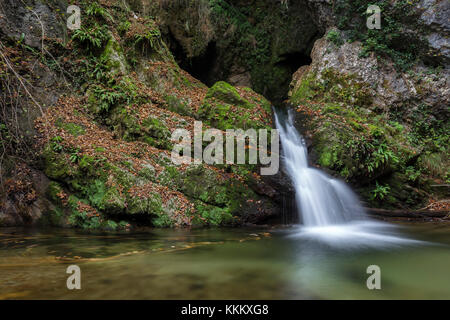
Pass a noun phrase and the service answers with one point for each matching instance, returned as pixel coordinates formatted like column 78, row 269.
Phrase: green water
column 219, row 264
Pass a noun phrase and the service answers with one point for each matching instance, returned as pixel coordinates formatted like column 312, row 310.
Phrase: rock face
column 372, row 124
column 255, row 43
column 31, row 20
column 436, row 16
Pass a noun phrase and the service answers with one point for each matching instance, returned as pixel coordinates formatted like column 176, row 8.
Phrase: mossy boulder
column 227, row 107
column 114, row 57
column 348, row 137
column 149, row 204
column 225, row 92
column 56, row 164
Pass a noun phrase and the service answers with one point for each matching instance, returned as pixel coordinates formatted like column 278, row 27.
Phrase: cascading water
column 329, row 209
column 321, row 199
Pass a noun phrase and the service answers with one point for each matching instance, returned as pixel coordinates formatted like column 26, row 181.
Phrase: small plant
column 108, row 97
column 143, row 35
column 56, row 144
column 91, row 38
column 95, row 10
column 74, row 156
column 381, row 156
column 335, row 37
column 380, row 191
column 412, row 174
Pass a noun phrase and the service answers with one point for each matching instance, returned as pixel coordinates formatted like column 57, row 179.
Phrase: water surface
column 266, row 263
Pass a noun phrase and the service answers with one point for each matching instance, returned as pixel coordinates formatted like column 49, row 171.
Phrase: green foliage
column 428, row 131
column 151, row 37
column 380, row 191
column 94, row 9
column 104, row 98
column 214, row 216
column 335, row 37
column 91, row 37
column 162, row 221
column 380, row 156
column 72, row 128
column 95, row 193
column 55, row 144
column 412, row 174
column 53, row 189
column 389, row 41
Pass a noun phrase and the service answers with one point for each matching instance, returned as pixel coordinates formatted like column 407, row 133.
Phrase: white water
column 329, row 209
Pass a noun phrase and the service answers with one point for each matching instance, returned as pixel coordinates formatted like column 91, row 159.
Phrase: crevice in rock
column 289, row 63
column 203, row 67
column 293, row 61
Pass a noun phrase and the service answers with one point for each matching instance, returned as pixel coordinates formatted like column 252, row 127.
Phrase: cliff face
column 87, row 115
column 257, row 43
column 375, row 102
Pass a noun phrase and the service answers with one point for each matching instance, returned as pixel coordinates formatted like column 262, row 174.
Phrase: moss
column 224, row 108
column 151, row 205
column 212, row 215
column 178, row 105
column 335, row 37
column 225, row 92
column 113, row 202
column 170, row 177
column 198, row 182
column 72, row 128
column 216, row 200
column 148, row 172
column 56, row 166
column 156, row 133
column 114, row 57
column 53, row 189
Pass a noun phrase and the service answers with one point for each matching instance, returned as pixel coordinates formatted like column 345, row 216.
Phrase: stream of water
column 329, row 209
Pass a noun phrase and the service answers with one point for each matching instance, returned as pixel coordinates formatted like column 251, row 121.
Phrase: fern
column 95, row 10
column 93, row 37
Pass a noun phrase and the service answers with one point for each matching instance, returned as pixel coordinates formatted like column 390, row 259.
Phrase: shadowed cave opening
column 208, row 69
column 204, row 67
column 289, row 63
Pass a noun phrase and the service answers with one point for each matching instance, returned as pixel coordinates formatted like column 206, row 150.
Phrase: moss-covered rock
column 227, row 93
column 114, row 57
column 56, row 165
column 226, row 107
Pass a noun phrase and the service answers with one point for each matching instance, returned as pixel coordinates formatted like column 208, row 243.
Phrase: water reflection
column 220, row 264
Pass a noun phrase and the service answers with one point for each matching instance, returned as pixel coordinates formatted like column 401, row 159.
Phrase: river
column 264, row 263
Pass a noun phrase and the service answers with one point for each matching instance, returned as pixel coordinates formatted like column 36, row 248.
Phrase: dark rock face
column 31, row 19
column 257, row 43
column 436, row 16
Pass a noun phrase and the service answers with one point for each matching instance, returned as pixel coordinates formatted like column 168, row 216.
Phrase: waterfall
column 321, row 199
column 329, row 209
